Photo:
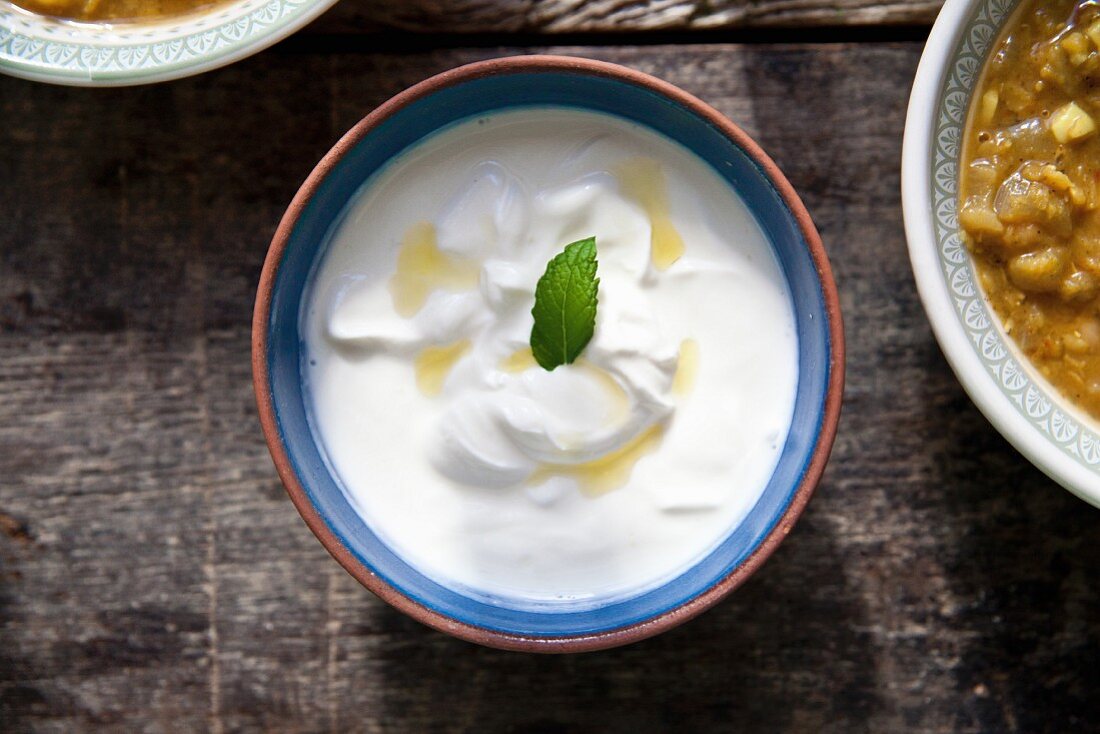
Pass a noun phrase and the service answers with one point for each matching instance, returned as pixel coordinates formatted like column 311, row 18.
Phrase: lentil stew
column 1029, row 190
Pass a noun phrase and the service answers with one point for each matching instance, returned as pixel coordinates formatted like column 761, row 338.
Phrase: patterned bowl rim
column 1055, row 436
column 123, row 55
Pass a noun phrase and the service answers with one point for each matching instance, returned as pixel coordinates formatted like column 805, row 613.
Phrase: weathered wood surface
column 568, row 16
column 153, row 576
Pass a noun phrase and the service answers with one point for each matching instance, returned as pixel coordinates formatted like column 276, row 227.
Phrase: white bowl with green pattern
column 121, row 54
column 1045, row 427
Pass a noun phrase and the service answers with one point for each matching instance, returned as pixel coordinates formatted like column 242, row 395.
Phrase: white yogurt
column 491, row 475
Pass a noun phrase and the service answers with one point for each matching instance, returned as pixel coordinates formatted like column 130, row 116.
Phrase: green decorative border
column 68, row 51
column 1032, row 398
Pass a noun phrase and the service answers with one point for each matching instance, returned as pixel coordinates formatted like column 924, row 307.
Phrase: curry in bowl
column 1029, row 190
column 115, row 10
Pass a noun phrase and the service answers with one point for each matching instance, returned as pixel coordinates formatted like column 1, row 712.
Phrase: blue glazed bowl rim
column 688, row 608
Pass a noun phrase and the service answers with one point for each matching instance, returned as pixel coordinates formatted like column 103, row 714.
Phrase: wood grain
column 154, row 577
column 616, row 16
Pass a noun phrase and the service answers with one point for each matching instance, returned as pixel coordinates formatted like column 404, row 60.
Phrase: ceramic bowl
column 1057, row 437
column 114, row 55
column 476, row 90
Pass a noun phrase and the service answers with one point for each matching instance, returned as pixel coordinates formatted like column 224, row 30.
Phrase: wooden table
column 154, row 577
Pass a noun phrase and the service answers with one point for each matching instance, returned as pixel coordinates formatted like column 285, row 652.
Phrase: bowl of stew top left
column 113, row 43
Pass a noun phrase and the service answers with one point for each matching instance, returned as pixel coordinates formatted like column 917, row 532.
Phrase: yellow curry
column 115, row 10
column 1029, row 190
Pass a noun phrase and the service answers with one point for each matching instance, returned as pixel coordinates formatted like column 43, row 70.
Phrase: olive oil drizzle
column 607, row 473
column 423, row 268
column 643, row 180
column 433, row 364
column 687, row 368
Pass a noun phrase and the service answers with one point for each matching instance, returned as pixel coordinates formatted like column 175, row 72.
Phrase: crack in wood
column 16, row 529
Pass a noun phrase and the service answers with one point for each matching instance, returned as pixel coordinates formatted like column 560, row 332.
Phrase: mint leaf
column 565, row 305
